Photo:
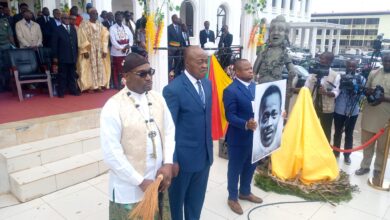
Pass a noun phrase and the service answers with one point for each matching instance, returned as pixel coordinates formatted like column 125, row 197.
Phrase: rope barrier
column 364, row 146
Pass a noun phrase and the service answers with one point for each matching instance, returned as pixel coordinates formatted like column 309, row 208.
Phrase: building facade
column 361, row 28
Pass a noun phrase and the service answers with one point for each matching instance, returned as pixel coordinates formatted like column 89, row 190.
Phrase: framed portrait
column 268, row 108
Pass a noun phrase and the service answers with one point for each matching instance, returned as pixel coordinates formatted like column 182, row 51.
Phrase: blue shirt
column 347, row 100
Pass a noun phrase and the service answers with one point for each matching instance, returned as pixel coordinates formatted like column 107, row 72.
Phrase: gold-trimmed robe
column 95, row 71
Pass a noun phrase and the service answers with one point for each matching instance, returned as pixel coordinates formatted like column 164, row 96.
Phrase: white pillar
column 302, row 12
column 290, row 35
column 323, row 39
column 337, row 48
column 294, row 8
column 159, row 60
column 303, row 35
column 50, row 4
column 287, row 7
column 278, row 6
column 309, row 4
column 248, row 53
column 313, row 41
column 268, row 6
column 330, row 42
column 294, row 36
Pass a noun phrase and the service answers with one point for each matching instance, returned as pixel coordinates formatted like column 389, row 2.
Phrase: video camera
column 351, row 83
column 375, row 98
column 319, row 70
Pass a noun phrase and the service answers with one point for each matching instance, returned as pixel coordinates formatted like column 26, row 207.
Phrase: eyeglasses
column 144, row 73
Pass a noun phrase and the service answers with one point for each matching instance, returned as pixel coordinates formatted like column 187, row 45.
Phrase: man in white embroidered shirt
column 137, row 138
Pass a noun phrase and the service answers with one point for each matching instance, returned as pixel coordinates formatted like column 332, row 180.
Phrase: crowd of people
column 88, row 49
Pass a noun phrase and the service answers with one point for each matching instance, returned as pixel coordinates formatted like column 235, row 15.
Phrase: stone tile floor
column 89, row 200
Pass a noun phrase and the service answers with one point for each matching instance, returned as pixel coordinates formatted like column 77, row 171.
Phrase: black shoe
column 362, row 171
column 347, row 161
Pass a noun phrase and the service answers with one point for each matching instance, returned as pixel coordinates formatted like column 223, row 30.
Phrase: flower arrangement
column 261, row 34
column 253, row 7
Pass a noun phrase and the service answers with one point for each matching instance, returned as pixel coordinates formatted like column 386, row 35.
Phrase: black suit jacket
column 47, row 29
column 225, row 41
column 174, row 36
column 203, row 37
column 64, row 45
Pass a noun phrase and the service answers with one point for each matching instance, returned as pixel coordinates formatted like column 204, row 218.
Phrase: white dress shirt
column 58, row 22
column 193, row 82
column 124, row 179
column 119, row 33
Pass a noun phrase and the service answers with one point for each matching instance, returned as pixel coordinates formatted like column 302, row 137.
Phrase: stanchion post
column 383, row 184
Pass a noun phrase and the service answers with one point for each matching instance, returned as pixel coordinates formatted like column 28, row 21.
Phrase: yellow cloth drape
column 304, row 152
column 95, row 71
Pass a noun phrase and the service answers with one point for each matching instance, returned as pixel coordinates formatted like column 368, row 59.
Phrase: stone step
column 41, row 180
column 41, row 152
column 25, row 131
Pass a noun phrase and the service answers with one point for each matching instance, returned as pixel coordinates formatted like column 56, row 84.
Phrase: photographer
column 324, row 83
column 347, row 108
column 375, row 117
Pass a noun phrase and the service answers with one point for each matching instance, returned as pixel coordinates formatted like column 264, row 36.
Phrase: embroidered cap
column 133, row 61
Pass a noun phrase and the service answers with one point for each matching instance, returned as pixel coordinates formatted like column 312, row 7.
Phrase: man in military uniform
column 374, row 118
column 6, row 40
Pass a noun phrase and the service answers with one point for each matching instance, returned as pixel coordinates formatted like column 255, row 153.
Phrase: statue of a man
column 271, row 61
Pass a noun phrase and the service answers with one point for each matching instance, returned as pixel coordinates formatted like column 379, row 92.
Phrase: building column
column 309, row 4
column 337, row 48
column 294, row 8
column 302, row 12
column 248, row 53
column 286, row 9
column 303, row 36
column 268, row 6
column 323, row 39
column 330, row 42
column 278, row 6
column 313, row 41
column 294, row 36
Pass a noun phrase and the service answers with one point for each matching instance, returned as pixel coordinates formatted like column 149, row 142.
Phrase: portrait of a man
column 269, row 108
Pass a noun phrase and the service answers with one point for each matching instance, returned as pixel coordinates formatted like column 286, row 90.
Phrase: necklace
column 148, row 122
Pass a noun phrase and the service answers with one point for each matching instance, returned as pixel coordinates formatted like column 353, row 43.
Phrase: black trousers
column 326, row 120
column 67, row 79
column 341, row 121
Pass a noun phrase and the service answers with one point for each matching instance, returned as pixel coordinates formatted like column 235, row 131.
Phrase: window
column 345, row 21
column 187, row 15
column 321, row 20
column 333, row 21
column 371, row 32
column 344, row 42
column 372, row 21
column 359, row 21
column 345, row 32
column 358, row 43
column 221, row 19
column 319, row 32
column 318, row 41
column 358, row 32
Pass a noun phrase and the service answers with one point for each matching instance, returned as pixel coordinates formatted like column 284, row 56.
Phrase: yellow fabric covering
column 304, row 152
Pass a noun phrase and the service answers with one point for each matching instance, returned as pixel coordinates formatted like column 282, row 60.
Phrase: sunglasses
column 144, row 73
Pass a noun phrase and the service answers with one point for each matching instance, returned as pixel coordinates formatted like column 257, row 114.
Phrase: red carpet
column 41, row 105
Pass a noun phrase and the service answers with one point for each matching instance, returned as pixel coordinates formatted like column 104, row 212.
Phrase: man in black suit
column 45, row 22
column 224, row 46
column 64, row 49
column 109, row 20
column 57, row 21
column 206, row 35
column 175, row 41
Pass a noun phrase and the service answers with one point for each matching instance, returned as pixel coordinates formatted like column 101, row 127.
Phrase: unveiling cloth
column 304, row 152
column 95, row 71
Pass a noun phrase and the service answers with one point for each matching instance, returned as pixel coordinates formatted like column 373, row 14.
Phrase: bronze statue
column 270, row 62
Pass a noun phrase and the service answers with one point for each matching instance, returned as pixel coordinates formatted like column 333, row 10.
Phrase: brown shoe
column 235, row 207
column 251, row 198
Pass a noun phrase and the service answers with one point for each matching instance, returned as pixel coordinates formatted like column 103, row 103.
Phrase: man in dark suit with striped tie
column 206, row 35
column 188, row 98
column 64, row 49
